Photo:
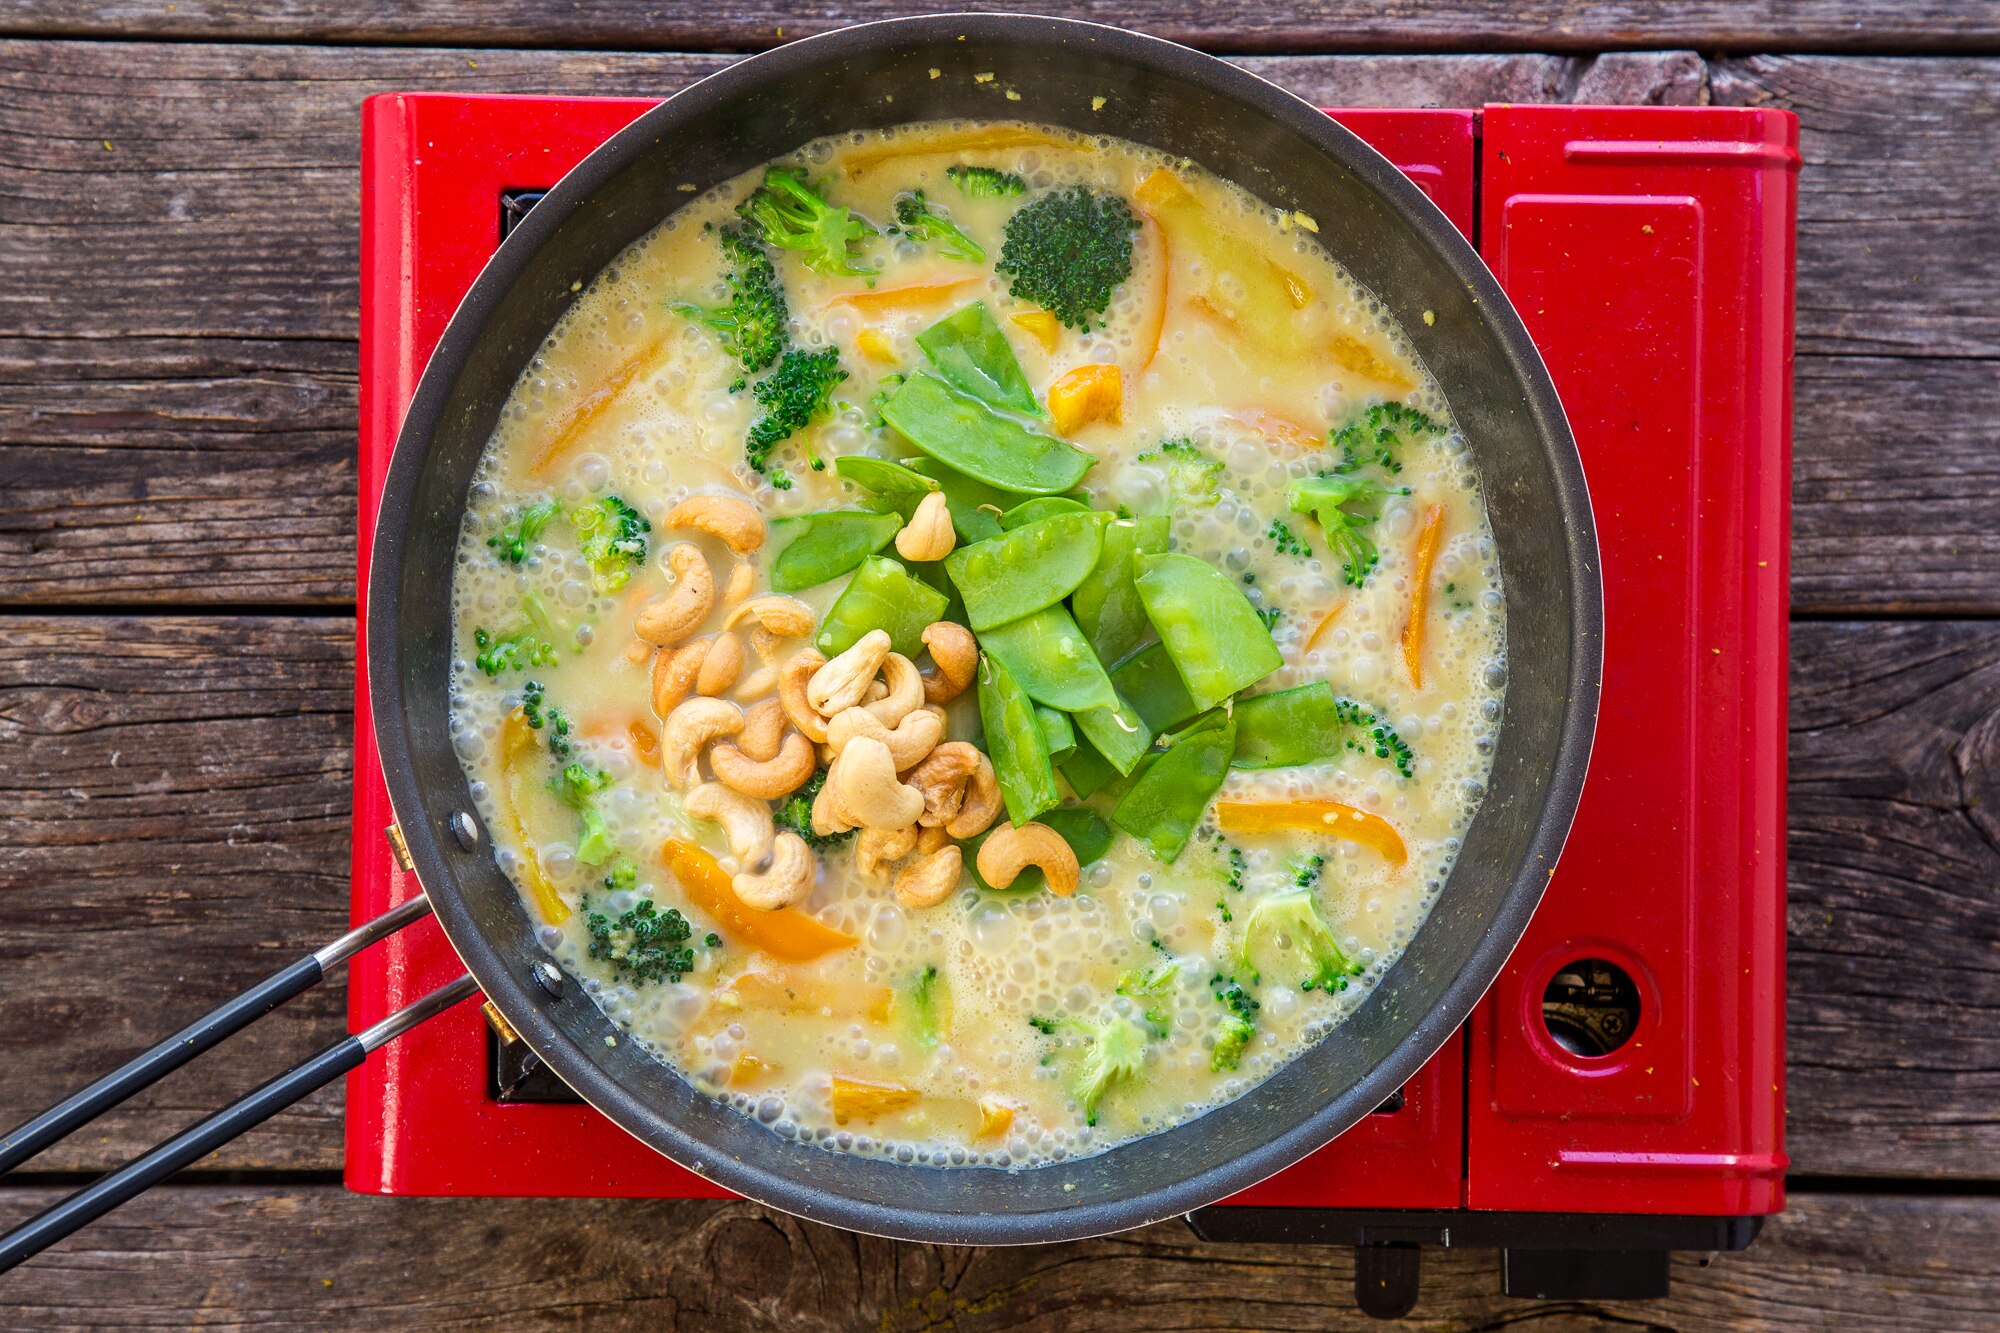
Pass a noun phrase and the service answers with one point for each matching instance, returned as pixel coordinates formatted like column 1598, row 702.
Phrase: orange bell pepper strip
column 1325, row 624
column 1089, row 393
column 857, row 1097
column 747, row 1068
column 1428, row 541
column 786, row 934
column 780, row 990
column 985, row 139
column 892, row 299
column 517, row 739
column 1243, row 287
column 1277, row 426
column 874, row 344
column 572, row 425
column 1342, row 821
column 995, row 1118
column 1040, row 325
column 1163, row 273
column 1360, row 358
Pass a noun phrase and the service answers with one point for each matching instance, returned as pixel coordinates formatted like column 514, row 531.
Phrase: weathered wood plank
column 305, row 1259
column 173, row 800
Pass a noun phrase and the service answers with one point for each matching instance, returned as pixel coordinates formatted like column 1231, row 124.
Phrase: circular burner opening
column 1590, row 1007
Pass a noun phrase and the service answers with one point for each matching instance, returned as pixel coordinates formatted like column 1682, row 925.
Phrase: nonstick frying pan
column 1371, row 219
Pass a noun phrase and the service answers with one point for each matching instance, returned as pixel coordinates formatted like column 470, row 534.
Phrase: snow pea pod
column 961, row 432
column 1216, row 638
column 1150, row 682
column 1107, row 603
column 1162, row 808
column 1046, row 652
column 1042, row 506
column 1058, row 736
column 1118, row 733
column 814, row 548
column 975, row 506
column 969, row 350
column 890, row 486
column 1018, row 573
column 1286, row 727
column 885, row 596
column 1086, row 771
column 1014, row 743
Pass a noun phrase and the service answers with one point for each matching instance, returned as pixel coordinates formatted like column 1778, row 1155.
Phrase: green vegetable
column 514, row 651
column 1107, row 602
column 793, row 396
column 882, row 595
column 892, row 488
column 537, row 713
column 1237, row 1026
column 969, row 350
column 1116, row 1051
column 1193, row 477
column 794, row 812
column 975, row 506
column 1014, row 743
column 1118, row 734
column 794, row 216
column 1068, row 251
column 926, row 1004
column 510, row 544
column 1018, row 573
column 1041, row 507
column 1217, row 641
column 612, row 538
column 1058, row 736
column 1294, row 914
column 962, row 432
column 985, row 182
column 1162, row 808
column 1286, row 541
column 1148, row 985
column 1151, row 683
column 814, row 548
column 577, row 787
column 1374, row 438
column 1046, row 653
column 1346, row 508
column 1308, row 723
column 1086, row 771
column 921, row 220
column 753, row 325
column 643, row 944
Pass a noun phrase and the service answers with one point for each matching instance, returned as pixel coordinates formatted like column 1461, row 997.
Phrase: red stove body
column 1628, row 1065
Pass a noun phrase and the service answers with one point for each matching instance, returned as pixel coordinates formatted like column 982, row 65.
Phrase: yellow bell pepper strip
column 1242, row 286
column 874, row 344
column 856, row 1098
column 995, row 1118
column 777, row 989
column 1086, row 394
column 1040, row 325
column 645, row 742
column 517, row 741
column 1277, row 426
column 1163, row 275
column 587, row 407
column 1428, row 541
column 747, row 1068
column 1360, row 358
column 786, row 934
column 893, row 300
column 1342, row 821
column 984, row 139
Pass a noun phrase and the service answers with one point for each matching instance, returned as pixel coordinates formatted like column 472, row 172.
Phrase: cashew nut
column 943, row 778
column 741, row 580
column 679, row 611
column 829, row 816
column 930, row 839
column 905, row 692
column 763, row 729
column 1010, row 849
column 788, row 879
column 956, row 653
column 687, row 729
column 792, row 693
column 928, row 882
column 786, row 617
column 908, row 743
column 722, row 665
column 747, row 822
column 877, row 849
column 982, row 806
column 864, row 776
column 736, row 523
column 928, row 534
column 844, row 681
column 769, row 778
column 674, row 674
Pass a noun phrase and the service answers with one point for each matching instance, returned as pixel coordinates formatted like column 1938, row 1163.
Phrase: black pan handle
column 143, row 1070
column 191, row 1145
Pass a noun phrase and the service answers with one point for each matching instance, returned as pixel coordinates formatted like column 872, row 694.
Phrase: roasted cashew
column 877, row 849
column 843, row 682
column 788, row 880
column 928, row 882
column 1010, row 849
column 982, row 803
column 943, row 778
column 722, row 665
column 690, row 727
column 770, row 778
column 876, row 690
column 829, row 816
column 904, row 693
column 930, row 839
column 928, row 534
column 674, row 673
column 908, row 743
column 746, row 821
column 792, row 693
column 741, row 580
column 736, row 523
column 786, row 617
column 763, row 730
column 864, row 776
column 679, row 611
column 956, row 653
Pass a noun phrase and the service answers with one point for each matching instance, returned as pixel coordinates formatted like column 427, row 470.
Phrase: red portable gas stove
column 1619, row 1093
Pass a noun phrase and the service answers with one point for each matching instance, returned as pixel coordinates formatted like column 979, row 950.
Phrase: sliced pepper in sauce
column 1331, row 817
column 786, row 934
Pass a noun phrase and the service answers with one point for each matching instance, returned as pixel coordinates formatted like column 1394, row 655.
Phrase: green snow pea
column 1058, row 736
column 1149, row 681
column 814, row 548
column 885, row 596
column 1287, row 727
column 890, row 486
column 1018, row 573
column 1046, row 652
column 1014, row 743
column 1216, row 638
column 975, row 506
column 1107, row 603
column 1083, row 829
column 1042, row 506
column 1086, row 771
column 961, row 432
column 968, row 348
column 1162, row 808
column 1118, row 733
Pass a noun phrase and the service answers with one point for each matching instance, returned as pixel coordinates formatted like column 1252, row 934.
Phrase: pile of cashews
column 875, row 719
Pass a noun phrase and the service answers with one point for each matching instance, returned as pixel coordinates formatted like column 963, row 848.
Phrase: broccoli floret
column 513, row 651
column 985, row 182
column 1192, row 475
column 795, row 812
column 795, row 216
column 923, row 222
column 522, row 527
column 792, row 396
column 642, row 944
column 1286, row 541
column 1117, row 1050
column 537, row 713
column 577, row 787
column 1150, row 984
column 926, row 1003
column 612, row 537
column 1068, row 251
column 1236, row 1027
column 1306, row 873
column 1295, row 914
column 753, row 324
column 1376, row 436
column 1376, row 736
column 1235, row 864
column 1346, row 508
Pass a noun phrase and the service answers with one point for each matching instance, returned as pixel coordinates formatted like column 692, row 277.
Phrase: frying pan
column 1371, row 219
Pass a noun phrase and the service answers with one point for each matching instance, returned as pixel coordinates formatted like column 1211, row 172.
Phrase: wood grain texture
column 281, row 1259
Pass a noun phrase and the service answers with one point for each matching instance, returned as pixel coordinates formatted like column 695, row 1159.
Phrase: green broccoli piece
column 1117, row 1050
column 535, row 709
column 1295, row 913
column 1192, row 476
column 1377, row 434
column 795, row 216
column 753, row 325
column 795, row 812
column 1068, row 251
column 921, row 221
column 1346, row 508
column 510, row 544
column 612, row 537
column 642, row 944
column 514, row 651
column 926, row 1004
column 985, row 182
column 1306, row 873
column 885, row 389
column 792, row 396
column 1236, row 1027
column 1151, row 983
column 1381, row 739
column 1287, row 541
column 577, row 787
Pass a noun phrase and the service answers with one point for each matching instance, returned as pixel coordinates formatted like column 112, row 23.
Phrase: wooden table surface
column 178, row 283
